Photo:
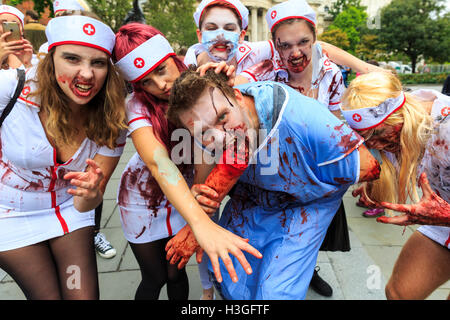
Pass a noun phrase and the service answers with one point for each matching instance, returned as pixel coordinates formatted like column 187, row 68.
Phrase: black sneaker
column 319, row 285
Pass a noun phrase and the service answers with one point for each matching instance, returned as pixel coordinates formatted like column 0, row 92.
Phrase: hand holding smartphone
column 12, row 27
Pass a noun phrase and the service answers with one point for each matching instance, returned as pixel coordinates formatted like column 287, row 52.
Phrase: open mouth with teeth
column 298, row 64
column 222, row 47
column 82, row 89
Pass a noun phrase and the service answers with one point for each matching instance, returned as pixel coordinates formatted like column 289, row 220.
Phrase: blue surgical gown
column 286, row 199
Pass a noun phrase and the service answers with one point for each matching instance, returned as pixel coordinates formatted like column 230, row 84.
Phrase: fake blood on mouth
column 228, row 171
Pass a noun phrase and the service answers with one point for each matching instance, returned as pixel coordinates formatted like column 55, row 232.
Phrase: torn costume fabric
column 286, row 199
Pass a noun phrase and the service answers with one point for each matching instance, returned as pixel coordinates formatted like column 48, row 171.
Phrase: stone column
column 265, row 27
column 254, row 23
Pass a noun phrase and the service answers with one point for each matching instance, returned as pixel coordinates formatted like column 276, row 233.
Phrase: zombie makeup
column 220, row 34
column 294, row 44
column 215, row 121
column 220, row 44
column 80, row 71
column 383, row 137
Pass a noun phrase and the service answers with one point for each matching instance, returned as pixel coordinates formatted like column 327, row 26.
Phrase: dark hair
column 291, row 21
column 33, row 14
column 188, row 88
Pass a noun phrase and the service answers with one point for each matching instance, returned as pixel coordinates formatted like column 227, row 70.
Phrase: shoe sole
column 107, row 256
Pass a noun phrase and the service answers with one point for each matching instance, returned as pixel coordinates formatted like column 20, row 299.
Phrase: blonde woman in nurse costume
column 59, row 146
column 415, row 129
column 154, row 199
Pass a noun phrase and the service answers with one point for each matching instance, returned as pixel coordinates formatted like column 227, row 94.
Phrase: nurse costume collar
column 145, row 58
column 292, row 9
column 4, row 9
column 240, row 8
column 63, row 5
column 368, row 118
column 80, row 30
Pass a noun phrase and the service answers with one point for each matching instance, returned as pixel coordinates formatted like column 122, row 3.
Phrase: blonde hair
column 397, row 181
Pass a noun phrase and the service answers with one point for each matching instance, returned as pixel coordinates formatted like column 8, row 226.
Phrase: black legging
column 157, row 271
column 60, row 268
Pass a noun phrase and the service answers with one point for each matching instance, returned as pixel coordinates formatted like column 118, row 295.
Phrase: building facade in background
column 258, row 30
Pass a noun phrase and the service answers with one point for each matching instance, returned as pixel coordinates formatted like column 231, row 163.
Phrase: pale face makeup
column 159, row 82
column 294, row 44
column 216, row 18
column 80, row 71
column 215, row 120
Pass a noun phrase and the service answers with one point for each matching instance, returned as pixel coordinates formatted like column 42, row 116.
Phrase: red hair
column 129, row 37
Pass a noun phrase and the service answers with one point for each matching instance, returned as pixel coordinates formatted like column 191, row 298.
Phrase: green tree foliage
column 352, row 21
column 39, row 5
column 336, row 37
column 174, row 19
column 341, row 5
column 416, row 28
column 370, row 48
column 112, row 12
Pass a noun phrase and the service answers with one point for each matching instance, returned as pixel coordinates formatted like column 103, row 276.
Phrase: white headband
column 368, row 118
column 4, row 9
column 63, row 5
column 145, row 58
column 292, row 9
column 80, row 30
column 240, row 8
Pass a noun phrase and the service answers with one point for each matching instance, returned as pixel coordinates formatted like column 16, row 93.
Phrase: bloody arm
column 221, row 179
column 431, row 210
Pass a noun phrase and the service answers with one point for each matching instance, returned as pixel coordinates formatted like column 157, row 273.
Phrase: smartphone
column 12, row 27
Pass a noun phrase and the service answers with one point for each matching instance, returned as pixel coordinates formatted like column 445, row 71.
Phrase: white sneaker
column 103, row 247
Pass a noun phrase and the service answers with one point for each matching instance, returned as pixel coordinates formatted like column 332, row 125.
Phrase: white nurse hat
column 240, row 8
column 368, row 118
column 4, row 9
column 145, row 58
column 292, row 9
column 63, row 5
column 80, row 30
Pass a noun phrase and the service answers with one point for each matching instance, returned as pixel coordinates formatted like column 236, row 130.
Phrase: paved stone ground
column 360, row 274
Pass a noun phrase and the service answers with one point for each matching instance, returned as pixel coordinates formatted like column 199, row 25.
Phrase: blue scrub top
column 285, row 201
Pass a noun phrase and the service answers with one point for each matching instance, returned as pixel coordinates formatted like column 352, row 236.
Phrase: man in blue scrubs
column 285, row 212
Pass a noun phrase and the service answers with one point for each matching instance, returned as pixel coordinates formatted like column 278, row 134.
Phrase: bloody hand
column 363, row 199
column 431, row 210
column 183, row 246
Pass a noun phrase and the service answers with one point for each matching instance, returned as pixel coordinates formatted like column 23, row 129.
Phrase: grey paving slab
column 327, row 273
column 372, row 233
column 116, row 238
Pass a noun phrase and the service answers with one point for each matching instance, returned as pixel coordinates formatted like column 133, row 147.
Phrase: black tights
column 61, row 268
column 157, row 271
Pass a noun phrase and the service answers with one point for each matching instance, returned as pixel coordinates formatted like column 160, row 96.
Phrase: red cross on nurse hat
column 145, row 58
column 292, row 9
column 80, row 30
